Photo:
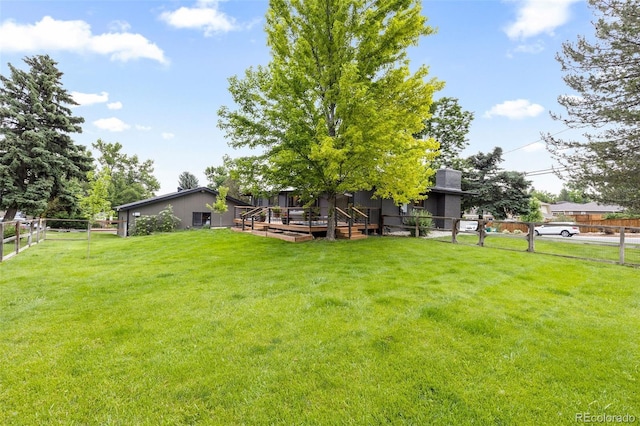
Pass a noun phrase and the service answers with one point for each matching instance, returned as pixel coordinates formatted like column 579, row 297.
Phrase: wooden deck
column 290, row 231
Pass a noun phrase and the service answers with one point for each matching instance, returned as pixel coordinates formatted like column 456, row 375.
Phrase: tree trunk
column 10, row 214
column 331, row 218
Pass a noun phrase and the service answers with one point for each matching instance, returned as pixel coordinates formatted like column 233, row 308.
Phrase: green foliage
column 145, row 225
column 188, row 180
column 131, row 180
column 96, row 201
column 603, row 77
column 573, row 196
column 562, row 218
column 502, row 193
column 448, row 125
column 544, row 196
column 220, row 206
column 165, row 221
column 38, row 158
column 336, row 109
column 534, row 214
column 422, row 218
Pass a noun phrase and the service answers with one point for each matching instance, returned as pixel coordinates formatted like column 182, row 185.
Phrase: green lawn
column 216, row 327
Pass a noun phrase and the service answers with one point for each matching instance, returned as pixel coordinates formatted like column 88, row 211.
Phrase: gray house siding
column 190, row 206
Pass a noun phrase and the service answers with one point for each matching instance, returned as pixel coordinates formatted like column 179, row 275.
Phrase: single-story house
column 593, row 209
column 443, row 199
column 189, row 205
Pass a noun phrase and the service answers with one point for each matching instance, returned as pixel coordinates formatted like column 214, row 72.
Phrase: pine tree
column 38, row 158
column 605, row 74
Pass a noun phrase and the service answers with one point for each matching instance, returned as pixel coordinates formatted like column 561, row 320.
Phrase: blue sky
column 152, row 74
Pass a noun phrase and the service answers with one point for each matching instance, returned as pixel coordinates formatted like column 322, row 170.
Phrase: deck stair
column 342, row 232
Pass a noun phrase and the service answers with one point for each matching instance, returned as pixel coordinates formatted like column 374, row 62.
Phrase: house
column 189, row 205
column 444, row 200
column 587, row 211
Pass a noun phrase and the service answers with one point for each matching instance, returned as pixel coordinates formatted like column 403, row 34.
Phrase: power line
column 535, row 142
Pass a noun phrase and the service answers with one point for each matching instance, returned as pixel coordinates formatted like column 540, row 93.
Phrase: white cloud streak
column 167, row 136
column 84, row 99
column 205, row 17
column 50, row 34
column 515, row 110
column 114, row 105
column 112, row 124
column 536, row 17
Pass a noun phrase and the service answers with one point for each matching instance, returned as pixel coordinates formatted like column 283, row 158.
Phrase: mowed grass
column 216, row 327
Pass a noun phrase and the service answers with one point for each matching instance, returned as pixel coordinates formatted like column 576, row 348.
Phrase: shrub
column 423, row 219
column 517, row 231
column 167, row 221
column 145, row 225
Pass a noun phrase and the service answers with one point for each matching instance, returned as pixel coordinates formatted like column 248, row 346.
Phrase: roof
column 586, row 207
column 174, row 195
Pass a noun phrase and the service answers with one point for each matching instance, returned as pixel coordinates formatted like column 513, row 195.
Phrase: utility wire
column 535, row 142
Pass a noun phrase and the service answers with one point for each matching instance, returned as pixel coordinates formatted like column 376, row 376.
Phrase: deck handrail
column 253, row 212
column 339, row 210
column 360, row 213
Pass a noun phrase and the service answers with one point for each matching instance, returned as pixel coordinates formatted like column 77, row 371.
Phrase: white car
column 564, row 229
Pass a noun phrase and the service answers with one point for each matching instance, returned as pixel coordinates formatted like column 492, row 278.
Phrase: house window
column 201, row 218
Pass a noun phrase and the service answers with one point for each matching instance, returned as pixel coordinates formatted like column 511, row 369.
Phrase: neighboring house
column 593, row 211
column 189, row 205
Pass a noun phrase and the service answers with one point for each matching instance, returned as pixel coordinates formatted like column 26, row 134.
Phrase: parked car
column 564, row 229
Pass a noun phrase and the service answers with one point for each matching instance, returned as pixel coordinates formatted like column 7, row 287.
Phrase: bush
column 165, row 221
column 145, row 225
column 423, row 219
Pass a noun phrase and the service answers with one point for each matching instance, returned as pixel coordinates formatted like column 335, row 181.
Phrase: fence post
column 482, row 232
column 30, row 236
column 530, row 236
column 1, row 238
column 454, row 230
column 622, row 245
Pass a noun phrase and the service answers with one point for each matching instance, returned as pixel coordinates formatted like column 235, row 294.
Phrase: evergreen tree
column 336, row 109
column 187, row 180
column 38, row 158
column 493, row 190
column 605, row 74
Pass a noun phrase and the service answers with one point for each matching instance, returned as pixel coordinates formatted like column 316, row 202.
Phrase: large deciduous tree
column 448, row 125
column 605, row 75
column 131, row 180
column 38, row 158
column 336, row 109
column 502, row 193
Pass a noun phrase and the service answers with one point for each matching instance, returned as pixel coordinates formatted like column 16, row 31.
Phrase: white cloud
column 536, row 146
column 167, row 135
column 75, row 36
column 515, row 110
column 539, row 16
column 84, row 99
column 204, row 16
column 111, row 124
column 115, row 105
column 143, row 128
column 533, row 48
